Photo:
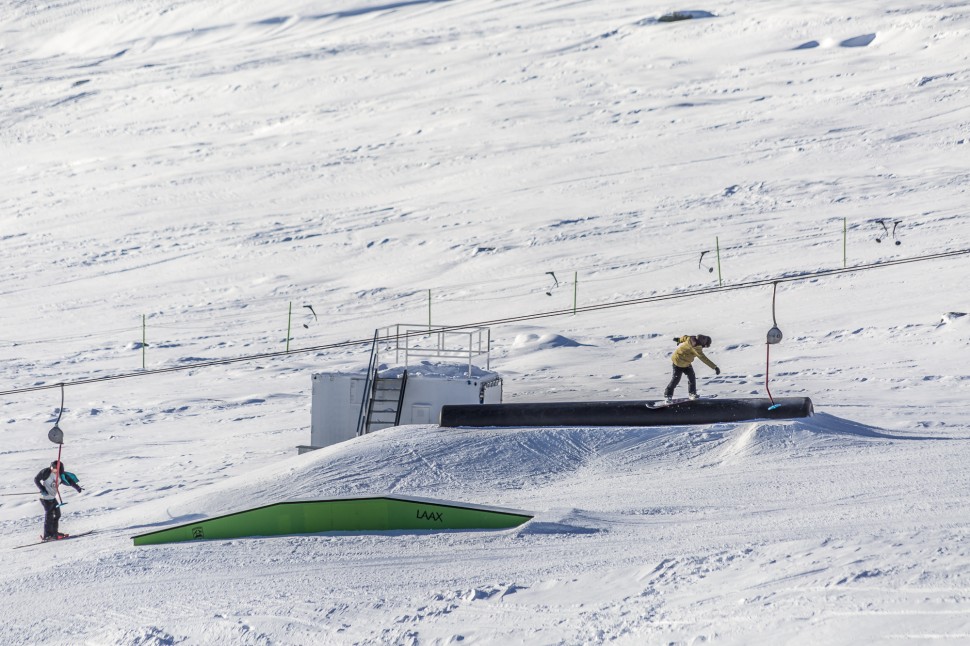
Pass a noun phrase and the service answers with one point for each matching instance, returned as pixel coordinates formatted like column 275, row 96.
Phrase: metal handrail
column 472, row 342
column 400, row 398
column 368, row 387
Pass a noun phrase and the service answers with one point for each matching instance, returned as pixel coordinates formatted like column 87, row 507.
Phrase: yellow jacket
column 686, row 352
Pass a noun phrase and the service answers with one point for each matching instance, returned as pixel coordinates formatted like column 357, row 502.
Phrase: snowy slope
column 205, row 165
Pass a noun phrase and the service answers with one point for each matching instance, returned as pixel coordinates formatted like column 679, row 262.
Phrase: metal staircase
column 384, row 409
column 384, row 396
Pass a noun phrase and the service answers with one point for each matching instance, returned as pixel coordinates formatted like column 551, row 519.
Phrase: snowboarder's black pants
column 691, row 380
column 52, row 514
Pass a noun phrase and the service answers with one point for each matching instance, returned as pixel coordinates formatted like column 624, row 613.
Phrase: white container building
column 346, row 405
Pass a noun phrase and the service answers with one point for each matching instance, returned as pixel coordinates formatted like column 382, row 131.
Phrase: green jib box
column 372, row 514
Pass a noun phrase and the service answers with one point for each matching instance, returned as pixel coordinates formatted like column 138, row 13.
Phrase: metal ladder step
column 384, row 403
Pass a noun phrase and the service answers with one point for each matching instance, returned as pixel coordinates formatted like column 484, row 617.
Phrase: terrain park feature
column 354, row 515
column 625, row 413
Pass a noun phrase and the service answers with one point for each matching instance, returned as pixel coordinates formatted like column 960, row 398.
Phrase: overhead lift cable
column 703, row 291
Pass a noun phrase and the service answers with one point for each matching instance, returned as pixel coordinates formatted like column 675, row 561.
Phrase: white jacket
column 46, row 482
column 49, row 483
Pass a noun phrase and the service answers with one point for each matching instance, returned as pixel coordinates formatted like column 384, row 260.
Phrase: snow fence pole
column 717, row 245
column 289, row 326
column 575, row 290
column 845, row 235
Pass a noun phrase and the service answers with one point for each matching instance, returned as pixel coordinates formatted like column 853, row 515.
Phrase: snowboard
column 60, row 540
column 662, row 404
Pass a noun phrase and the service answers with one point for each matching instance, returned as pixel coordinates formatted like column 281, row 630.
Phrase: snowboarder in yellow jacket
column 688, row 349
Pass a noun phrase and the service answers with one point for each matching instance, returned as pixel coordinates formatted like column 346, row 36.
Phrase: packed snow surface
column 182, row 179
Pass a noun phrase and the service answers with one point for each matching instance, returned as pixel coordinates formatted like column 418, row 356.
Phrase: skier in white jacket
column 46, row 481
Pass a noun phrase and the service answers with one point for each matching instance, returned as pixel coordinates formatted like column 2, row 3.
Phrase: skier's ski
column 66, row 538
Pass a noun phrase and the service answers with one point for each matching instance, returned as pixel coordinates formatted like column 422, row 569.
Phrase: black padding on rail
column 624, row 413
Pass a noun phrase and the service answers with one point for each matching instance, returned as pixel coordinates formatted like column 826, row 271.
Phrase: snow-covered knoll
column 653, row 534
column 206, row 165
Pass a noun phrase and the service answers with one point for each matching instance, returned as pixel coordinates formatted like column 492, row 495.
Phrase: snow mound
column 779, row 440
column 535, row 342
column 856, row 41
column 559, row 521
column 954, row 320
column 677, row 16
column 497, row 466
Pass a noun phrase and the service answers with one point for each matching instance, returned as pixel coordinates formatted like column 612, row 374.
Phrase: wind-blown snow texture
column 205, row 164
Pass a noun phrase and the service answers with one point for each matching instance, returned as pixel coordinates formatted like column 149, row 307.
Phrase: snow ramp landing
column 625, row 413
column 376, row 514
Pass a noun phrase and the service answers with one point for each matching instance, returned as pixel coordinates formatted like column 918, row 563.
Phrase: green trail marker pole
column 845, row 234
column 717, row 244
column 144, row 337
column 575, row 289
column 289, row 326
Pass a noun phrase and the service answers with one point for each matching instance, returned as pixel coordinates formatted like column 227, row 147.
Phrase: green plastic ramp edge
column 366, row 514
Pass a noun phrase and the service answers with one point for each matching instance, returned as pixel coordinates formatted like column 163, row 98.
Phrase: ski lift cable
column 704, row 291
column 188, row 325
